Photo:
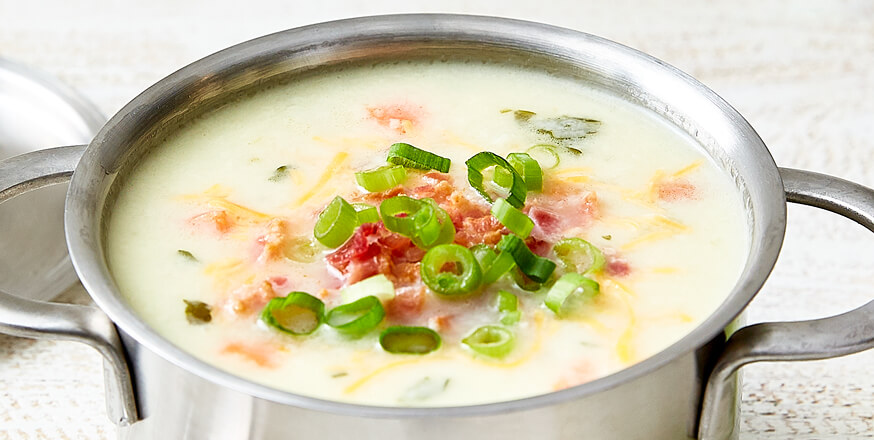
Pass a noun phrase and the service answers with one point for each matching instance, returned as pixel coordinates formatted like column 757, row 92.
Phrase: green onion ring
column 411, row 157
column 397, row 214
column 537, row 268
column 513, row 219
column 545, row 155
column 299, row 313
column 450, row 283
column 490, row 340
column 508, row 306
column 378, row 285
column 366, row 213
column 566, row 286
column 528, row 168
column 358, row 317
column 336, row 223
column 501, row 265
column 447, row 228
column 382, row 178
column 481, row 161
column 409, row 340
column 580, row 256
column 427, row 225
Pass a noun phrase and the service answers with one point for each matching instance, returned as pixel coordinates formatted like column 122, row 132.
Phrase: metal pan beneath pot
column 37, row 111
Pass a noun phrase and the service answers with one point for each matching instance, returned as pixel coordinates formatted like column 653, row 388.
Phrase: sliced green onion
column 377, row 285
column 358, row 317
column 468, row 275
column 299, row 313
column 397, row 214
column 492, row 264
column 580, row 256
column 480, row 162
column 447, row 228
column 366, row 213
column 507, row 302
column 336, row 223
column 484, row 255
column 382, row 178
column 528, row 168
column 426, row 224
column 508, row 306
column 545, row 155
column 512, row 218
column 197, row 312
column 524, row 282
column 537, row 268
column 491, row 340
column 412, row 157
column 565, row 287
column 409, row 340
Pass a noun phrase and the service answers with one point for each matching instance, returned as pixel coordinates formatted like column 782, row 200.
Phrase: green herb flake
column 566, row 128
column 197, row 312
column 280, row 173
column 523, row 115
column 607, row 237
column 187, row 255
column 339, row 374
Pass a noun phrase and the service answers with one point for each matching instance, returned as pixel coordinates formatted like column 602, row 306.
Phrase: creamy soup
column 611, row 239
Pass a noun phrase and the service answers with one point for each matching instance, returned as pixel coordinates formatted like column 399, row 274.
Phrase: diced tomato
column 617, row 266
column 675, row 190
column 262, row 355
column 250, row 298
column 398, row 117
column 407, row 304
column 216, row 220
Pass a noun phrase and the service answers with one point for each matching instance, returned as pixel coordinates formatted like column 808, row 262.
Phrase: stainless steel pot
column 155, row 390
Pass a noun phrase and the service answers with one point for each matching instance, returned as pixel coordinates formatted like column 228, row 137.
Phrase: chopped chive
column 279, row 174
column 197, row 312
column 187, row 255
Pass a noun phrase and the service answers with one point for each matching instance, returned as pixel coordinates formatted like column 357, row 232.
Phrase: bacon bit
column 539, row 247
column 547, row 224
column 274, row 240
column 250, row 298
column 262, row 355
column 579, row 374
column 378, row 197
column 435, row 177
column 675, row 190
column 372, row 250
column 407, row 304
column 219, row 220
column 617, row 266
column 440, row 191
column 440, row 323
column 278, row 282
column 472, row 231
column 398, row 117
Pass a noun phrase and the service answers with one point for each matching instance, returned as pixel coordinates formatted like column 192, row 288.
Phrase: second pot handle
column 835, row 336
column 45, row 320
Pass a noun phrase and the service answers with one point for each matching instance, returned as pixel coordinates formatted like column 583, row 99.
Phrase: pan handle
column 835, row 336
column 45, row 320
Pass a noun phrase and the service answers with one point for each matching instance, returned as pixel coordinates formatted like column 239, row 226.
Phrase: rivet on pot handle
column 835, row 336
column 45, row 320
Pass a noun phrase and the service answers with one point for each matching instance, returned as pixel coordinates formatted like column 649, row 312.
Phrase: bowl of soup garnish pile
column 428, row 226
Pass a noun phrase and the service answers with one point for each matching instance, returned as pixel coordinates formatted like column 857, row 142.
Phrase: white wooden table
column 802, row 72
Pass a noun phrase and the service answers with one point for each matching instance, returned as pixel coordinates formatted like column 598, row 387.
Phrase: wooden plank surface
column 801, row 72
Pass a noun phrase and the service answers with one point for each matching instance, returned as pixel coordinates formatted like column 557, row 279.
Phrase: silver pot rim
column 735, row 144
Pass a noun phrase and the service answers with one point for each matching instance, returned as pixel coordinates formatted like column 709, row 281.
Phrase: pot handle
column 44, row 320
column 835, row 336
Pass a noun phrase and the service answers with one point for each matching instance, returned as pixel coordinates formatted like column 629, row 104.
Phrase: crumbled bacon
column 250, row 298
column 399, row 117
column 372, row 250
column 675, row 189
column 568, row 211
column 407, row 304
column 272, row 243
column 218, row 220
column 440, row 323
column 538, row 246
column 378, row 197
column 261, row 355
column 617, row 266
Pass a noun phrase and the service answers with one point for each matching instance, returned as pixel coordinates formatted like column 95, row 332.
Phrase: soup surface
column 637, row 236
